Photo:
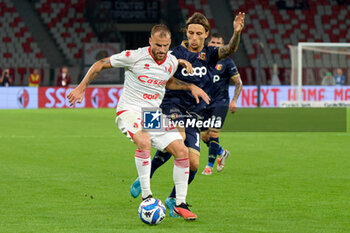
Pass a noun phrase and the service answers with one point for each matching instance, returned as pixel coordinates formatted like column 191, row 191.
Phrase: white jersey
column 145, row 78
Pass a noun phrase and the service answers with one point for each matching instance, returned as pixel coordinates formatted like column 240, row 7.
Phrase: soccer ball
column 152, row 211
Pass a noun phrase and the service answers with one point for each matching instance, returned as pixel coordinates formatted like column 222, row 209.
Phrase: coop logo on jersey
column 218, row 67
column 22, row 98
column 202, row 56
column 197, row 71
column 97, row 98
column 152, row 118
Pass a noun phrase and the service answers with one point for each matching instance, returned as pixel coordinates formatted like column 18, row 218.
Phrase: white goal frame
column 303, row 45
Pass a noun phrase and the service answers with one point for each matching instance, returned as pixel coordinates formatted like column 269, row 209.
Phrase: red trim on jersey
column 110, row 61
column 159, row 63
column 131, row 135
column 120, row 112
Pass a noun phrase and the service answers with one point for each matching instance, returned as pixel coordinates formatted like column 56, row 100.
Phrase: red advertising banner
column 108, row 97
column 101, row 97
column 272, row 96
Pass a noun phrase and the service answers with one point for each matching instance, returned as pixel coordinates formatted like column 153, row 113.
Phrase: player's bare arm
column 77, row 93
column 176, row 84
column 232, row 46
column 238, row 83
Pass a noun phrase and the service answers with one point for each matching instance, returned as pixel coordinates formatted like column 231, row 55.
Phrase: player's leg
column 216, row 149
column 158, row 160
column 181, row 178
column 162, row 157
column 205, row 136
column 129, row 123
column 218, row 112
column 143, row 162
column 193, row 142
column 211, row 159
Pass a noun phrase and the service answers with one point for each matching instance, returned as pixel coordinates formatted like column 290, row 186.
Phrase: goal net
column 319, row 65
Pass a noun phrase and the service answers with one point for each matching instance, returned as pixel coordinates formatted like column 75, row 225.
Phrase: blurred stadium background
column 50, row 34
column 67, row 170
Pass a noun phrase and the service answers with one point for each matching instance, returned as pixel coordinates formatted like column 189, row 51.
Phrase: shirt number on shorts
column 197, row 143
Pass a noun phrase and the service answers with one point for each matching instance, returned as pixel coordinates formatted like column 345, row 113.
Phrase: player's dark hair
column 198, row 18
column 217, row 35
column 162, row 28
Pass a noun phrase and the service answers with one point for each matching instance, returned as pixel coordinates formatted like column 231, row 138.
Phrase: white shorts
column 130, row 122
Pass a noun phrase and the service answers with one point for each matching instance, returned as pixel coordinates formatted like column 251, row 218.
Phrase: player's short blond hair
column 162, row 28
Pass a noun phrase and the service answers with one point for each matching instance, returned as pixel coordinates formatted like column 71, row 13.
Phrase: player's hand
column 77, row 94
column 198, row 92
column 233, row 106
column 238, row 23
column 186, row 64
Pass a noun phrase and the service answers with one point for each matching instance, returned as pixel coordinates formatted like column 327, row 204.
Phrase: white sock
column 143, row 165
column 180, row 173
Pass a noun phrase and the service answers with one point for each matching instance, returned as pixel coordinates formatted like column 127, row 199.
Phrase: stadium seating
column 17, row 46
column 277, row 28
column 66, row 22
column 188, row 7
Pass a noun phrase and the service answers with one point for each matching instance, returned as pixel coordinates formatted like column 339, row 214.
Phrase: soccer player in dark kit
column 181, row 105
column 225, row 70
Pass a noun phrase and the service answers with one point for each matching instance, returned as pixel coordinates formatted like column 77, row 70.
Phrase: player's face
column 216, row 42
column 196, row 36
column 159, row 46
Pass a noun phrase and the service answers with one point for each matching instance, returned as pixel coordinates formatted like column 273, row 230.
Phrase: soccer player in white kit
column 148, row 71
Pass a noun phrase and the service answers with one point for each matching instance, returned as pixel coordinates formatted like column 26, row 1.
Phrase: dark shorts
column 216, row 111
column 177, row 114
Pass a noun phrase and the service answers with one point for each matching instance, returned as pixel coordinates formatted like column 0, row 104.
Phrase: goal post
column 316, row 55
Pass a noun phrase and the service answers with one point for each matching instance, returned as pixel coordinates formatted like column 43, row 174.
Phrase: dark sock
column 158, row 160
column 214, row 149
column 190, row 179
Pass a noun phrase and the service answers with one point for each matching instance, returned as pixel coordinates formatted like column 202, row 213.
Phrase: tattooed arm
column 176, row 84
column 77, row 93
column 238, row 83
column 232, row 46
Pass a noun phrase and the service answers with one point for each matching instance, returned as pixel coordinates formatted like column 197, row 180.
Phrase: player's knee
column 194, row 164
column 142, row 141
column 181, row 152
column 144, row 145
column 213, row 134
column 205, row 137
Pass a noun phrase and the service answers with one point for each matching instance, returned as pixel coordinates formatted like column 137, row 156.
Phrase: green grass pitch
column 70, row 170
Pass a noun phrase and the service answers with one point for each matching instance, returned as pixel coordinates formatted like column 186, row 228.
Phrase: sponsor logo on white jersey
column 149, row 80
column 150, row 97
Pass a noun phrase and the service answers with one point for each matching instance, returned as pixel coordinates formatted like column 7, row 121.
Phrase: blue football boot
column 135, row 188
